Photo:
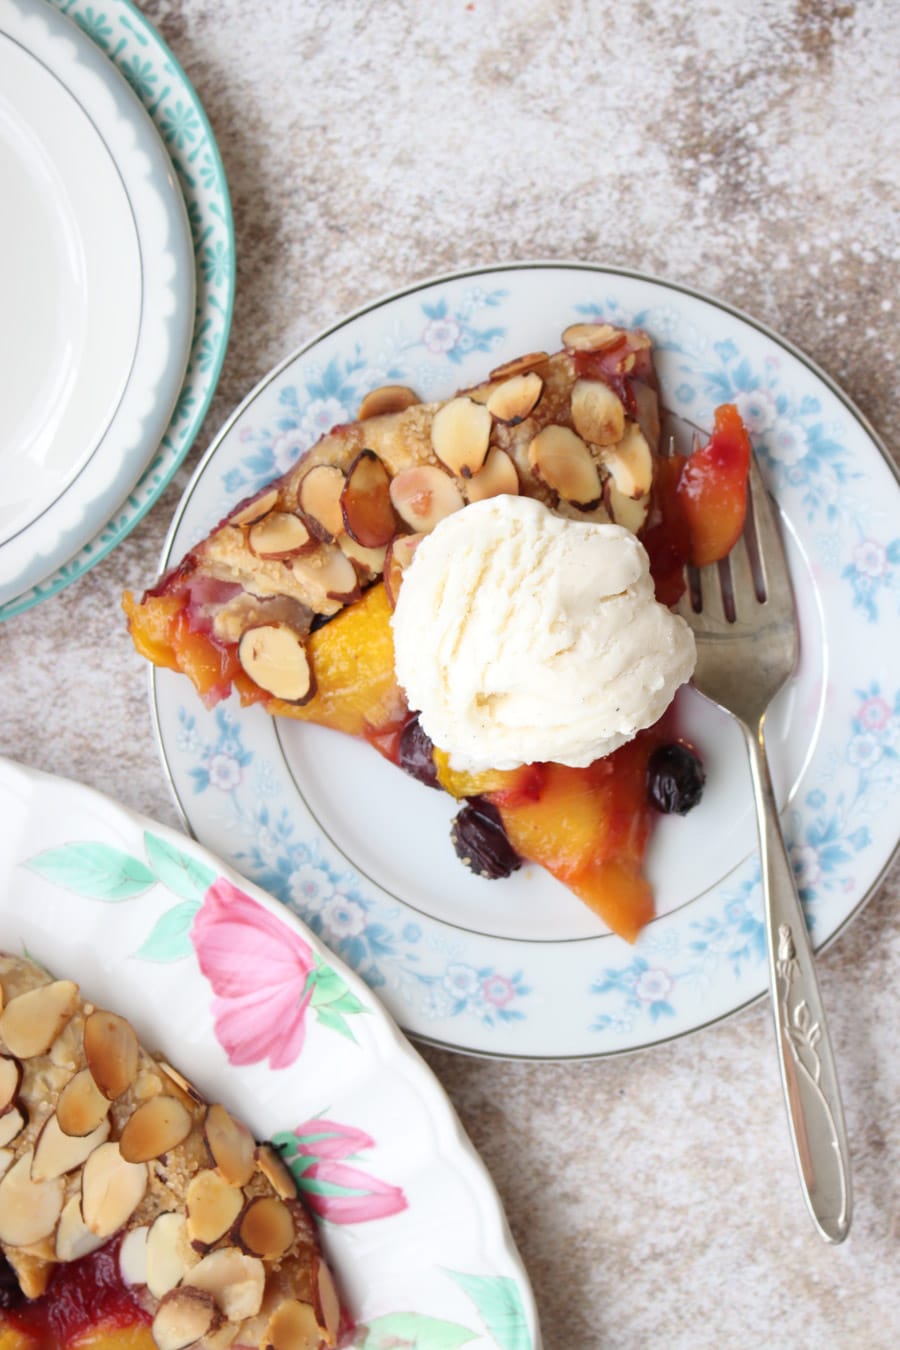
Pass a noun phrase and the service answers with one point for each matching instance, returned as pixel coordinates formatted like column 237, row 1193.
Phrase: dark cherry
column 675, row 778
column 11, row 1295
column 415, row 753
column 480, row 840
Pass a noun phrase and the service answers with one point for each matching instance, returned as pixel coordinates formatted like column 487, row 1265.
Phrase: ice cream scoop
column 521, row 636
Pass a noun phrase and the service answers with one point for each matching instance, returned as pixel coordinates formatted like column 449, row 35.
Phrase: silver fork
column 744, row 620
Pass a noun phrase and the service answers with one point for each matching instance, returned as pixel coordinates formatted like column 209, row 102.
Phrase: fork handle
column 808, row 1074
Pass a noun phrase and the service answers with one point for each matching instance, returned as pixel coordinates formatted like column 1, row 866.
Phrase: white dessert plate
column 96, row 273
column 153, row 926
column 520, row 967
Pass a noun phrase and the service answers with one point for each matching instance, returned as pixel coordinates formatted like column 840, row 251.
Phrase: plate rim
column 132, row 509
column 464, row 274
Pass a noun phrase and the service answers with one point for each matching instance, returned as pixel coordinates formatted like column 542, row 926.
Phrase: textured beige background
column 749, row 148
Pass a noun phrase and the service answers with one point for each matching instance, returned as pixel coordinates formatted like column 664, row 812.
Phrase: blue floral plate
column 361, row 852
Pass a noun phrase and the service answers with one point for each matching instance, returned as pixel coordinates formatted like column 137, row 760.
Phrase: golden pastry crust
column 101, row 1139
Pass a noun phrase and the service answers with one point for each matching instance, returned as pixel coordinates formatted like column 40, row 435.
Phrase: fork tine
column 743, row 587
column 711, row 601
column 770, row 548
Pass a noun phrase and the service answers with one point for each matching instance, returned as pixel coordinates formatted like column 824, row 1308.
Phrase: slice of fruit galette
column 133, row 1211
column 288, row 600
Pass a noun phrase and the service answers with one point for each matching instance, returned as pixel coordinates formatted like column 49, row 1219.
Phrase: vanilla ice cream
column 520, row 636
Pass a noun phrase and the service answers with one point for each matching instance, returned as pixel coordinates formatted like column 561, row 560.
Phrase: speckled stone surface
column 749, row 148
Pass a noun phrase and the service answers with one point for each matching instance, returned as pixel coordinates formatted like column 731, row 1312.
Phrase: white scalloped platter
column 153, row 926
column 519, row 967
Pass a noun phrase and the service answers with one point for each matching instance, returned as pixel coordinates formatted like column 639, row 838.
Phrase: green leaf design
column 335, row 1022
column 182, row 874
column 499, row 1304
column 170, row 939
column 412, row 1331
column 94, row 870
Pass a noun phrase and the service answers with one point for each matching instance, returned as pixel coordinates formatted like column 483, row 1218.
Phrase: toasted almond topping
column 236, row 1281
column 256, row 509
column 369, row 562
column 562, row 460
column 328, row 574
column 266, row 1228
column 28, row 1209
column 184, row 1317
column 319, row 498
column 184, row 1084
column 276, row 1172
column 231, row 1146
column 73, row 1238
column 327, row 1304
column 497, row 478
column 275, row 658
column 279, row 535
column 387, row 398
column 629, row 512
column 10, row 1078
column 81, row 1106
column 111, row 1051
column 56, row 1153
column 519, row 365
column 460, row 435
column 6, row 1160
column 516, row 398
column 213, row 1204
column 631, row 463
column 166, row 1263
column 133, row 1256
column 31, row 1022
column 366, row 502
column 423, row 495
column 590, row 337
column 12, row 1123
column 399, row 556
column 111, row 1189
column 158, row 1125
column 598, row 413
column 292, row 1326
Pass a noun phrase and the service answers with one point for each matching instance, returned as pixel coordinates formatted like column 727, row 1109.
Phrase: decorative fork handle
column 808, row 1074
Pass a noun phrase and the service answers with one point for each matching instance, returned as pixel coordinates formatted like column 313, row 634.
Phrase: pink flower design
column 498, row 990
column 874, row 714
column 331, row 1188
column 259, row 970
column 870, row 558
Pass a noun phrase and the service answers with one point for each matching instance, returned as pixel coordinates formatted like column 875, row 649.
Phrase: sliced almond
column 519, row 365
column 213, row 1204
column 276, row 1172
column 629, row 512
column 326, row 1302
column 498, row 477
column 369, row 562
column 111, row 1051
column 275, row 658
column 157, row 1126
column 29, row 1209
column 31, row 1022
column 111, row 1189
column 328, row 574
column 231, row 1145
column 254, row 510
column 185, row 1086
column 319, row 498
column 279, row 535
column 56, row 1153
column 10, row 1078
column 590, row 337
column 12, row 1123
column 423, row 495
column 73, row 1238
column 399, row 556
column 387, row 398
column 292, row 1326
column 366, row 501
column 598, row 413
column 6, row 1160
column 81, row 1106
column 460, row 435
column 631, row 463
column 562, row 461
column 165, row 1259
column 184, row 1317
column 235, row 1280
column 516, row 398
column 266, row 1228
column 133, row 1256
